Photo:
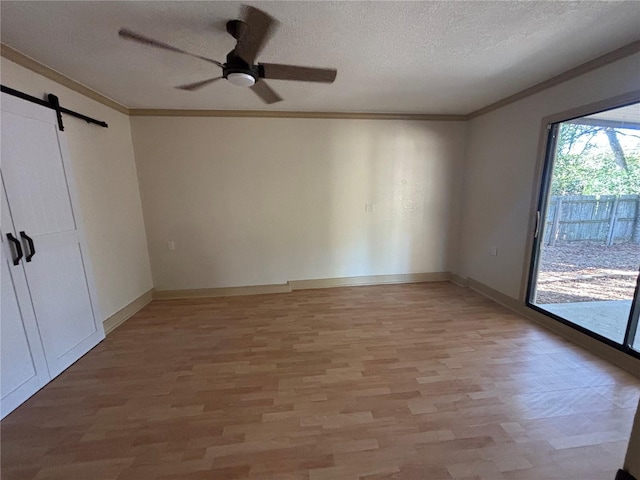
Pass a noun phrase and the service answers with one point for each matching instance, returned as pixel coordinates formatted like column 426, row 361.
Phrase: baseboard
column 458, row 280
column 302, row 285
column 221, row 292
column 369, row 280
column 621, row 359
column 498, row 297
column 122, row 315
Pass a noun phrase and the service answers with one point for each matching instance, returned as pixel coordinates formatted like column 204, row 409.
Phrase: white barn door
column 36, row 173
column 23, row 368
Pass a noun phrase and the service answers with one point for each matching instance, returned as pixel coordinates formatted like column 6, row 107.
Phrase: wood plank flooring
column 423, row 381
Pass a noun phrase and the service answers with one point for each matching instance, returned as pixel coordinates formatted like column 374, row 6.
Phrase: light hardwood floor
column 422, row 381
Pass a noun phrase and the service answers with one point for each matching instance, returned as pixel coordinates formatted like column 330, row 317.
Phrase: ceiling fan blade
column 265, row 93
column 258, row 28
column 197, row 85
column 277, row 71
column 136, row 37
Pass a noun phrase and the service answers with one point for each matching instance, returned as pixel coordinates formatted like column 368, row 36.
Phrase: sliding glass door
column 585, row 269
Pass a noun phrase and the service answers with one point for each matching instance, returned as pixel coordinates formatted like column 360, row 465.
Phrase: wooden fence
column 606, row 219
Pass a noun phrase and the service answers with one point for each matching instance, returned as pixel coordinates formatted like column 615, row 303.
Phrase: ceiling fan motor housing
column 235, row 27
column 235, row 65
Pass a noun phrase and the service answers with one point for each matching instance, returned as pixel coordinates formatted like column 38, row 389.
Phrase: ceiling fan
column 251, row 34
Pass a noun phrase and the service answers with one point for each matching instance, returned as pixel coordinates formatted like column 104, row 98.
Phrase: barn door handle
column 16, row 244
column 31, row 247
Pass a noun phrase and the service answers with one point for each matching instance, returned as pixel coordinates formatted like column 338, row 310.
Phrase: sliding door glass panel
column 588, row 249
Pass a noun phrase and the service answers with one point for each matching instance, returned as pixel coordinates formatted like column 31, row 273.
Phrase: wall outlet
column 494, row 251
column 171, row 245
column 369, row 207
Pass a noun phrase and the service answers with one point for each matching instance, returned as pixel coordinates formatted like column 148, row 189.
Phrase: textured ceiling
column 450, row 57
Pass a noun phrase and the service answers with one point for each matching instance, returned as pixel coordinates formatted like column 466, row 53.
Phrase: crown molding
column 587, row 67
column 37, row 67
column 289, row 114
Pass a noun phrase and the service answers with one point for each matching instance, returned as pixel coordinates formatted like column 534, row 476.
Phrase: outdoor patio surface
column 606, row 318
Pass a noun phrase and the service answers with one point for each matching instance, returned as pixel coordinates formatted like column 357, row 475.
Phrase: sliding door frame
column 632, row 326
column 544, row 170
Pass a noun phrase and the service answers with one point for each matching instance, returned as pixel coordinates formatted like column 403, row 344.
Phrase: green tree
column 580, row 168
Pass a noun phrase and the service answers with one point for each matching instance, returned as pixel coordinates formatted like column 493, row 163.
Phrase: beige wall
column 105, row 173
column 502, row 149
column 252, row 201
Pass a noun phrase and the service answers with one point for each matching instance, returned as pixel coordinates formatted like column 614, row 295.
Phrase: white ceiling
column 447, row 57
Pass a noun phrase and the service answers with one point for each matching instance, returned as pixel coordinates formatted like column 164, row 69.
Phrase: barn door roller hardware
column 53, row 103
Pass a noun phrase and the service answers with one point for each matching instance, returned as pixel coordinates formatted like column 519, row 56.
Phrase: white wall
column 499, row 171
column 105, row 173
column 252, row 201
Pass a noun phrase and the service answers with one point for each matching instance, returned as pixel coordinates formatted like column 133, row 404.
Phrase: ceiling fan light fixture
column 241, row 79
